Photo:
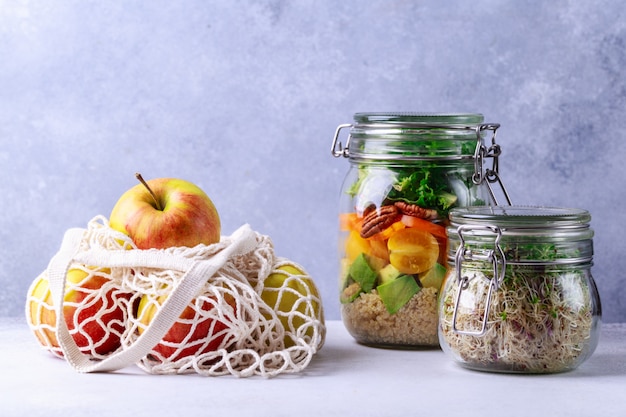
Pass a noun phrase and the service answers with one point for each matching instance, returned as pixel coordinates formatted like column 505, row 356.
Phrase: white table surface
column 344, row 379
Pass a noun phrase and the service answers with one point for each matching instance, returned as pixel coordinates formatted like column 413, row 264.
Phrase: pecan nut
column 378, row 220
column 416, row 211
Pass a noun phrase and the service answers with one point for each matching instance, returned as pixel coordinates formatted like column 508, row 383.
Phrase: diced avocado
column 388, row 273
column 433, row 277
column 344, row 273
column 363, row 273
column 396, row 293
column 375, row 262
column 350, row 293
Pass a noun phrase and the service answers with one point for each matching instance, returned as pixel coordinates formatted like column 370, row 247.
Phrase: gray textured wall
column 242, row 97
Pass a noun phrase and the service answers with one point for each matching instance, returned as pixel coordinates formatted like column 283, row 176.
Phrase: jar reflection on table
column 406, row 172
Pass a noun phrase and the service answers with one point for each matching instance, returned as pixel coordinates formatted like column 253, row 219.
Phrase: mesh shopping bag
column 231, row 308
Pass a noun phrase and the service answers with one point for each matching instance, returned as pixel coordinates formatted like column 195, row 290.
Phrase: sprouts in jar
column 519, row 296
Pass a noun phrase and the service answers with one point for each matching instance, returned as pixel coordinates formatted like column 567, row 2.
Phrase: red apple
column 195, row 332
column 166, row 212
column 92, row 309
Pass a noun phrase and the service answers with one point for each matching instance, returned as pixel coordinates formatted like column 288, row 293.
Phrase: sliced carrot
column 386, row 233
column 350, row 221
column 426, row 225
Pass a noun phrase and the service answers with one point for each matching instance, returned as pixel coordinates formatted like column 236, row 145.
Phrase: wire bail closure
column 494, row 256
column 337, row 149
column 490, row 174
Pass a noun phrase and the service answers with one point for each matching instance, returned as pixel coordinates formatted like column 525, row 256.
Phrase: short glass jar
column 519, row 295
column 407, row 170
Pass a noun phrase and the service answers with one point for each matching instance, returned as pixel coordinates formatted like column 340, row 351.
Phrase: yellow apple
column 166, row 212
column 292, row 284
column 94, row 318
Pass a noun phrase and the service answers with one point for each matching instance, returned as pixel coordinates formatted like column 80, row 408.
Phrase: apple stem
column 145, row 184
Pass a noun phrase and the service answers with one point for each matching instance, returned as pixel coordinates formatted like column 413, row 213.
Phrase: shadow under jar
column 519, row 296
column 407, row 170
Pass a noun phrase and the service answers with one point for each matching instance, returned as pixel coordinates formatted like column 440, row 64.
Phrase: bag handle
column 195, row 276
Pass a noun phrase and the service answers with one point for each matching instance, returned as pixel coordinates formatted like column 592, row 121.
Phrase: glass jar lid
column 406, row 136
column 435, row 119
column 519, row 218
column 526, row 234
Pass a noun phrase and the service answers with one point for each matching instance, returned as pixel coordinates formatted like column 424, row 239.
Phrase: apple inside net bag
column 230, row 308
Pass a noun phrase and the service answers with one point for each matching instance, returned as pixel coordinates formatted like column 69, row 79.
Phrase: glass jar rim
column 418, row 118
column 521, row 217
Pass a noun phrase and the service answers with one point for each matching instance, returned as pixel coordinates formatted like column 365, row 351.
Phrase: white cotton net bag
column 232, row 308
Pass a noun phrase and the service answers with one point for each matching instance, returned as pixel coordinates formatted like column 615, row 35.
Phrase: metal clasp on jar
column 493, row 256
column 490, row 174
column 337, row 149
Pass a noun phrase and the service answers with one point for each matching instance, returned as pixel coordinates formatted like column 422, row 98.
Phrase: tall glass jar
column 407, row 170
column 519, row 296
